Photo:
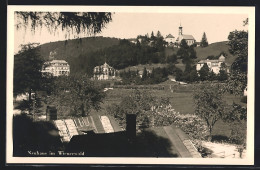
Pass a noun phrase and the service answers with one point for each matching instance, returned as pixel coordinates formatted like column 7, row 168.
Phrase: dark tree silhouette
column 75, row 22
column 204, row 41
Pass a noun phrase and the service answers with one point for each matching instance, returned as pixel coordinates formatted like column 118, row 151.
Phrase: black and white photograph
column 130, row 85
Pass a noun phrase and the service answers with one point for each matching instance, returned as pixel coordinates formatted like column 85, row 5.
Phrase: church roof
column 169, row 36
column 188, row 37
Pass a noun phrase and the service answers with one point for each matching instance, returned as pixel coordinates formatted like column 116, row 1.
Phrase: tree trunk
column 210, row 133
column 30, row 95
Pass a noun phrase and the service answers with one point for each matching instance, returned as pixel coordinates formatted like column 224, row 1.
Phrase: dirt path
column 224, row 150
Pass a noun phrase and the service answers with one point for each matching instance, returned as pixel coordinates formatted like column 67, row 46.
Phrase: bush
column 154, row 111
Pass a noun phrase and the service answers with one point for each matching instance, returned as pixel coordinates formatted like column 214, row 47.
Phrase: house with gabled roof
column 214, row 65
column 170, row 39
column 108, row 140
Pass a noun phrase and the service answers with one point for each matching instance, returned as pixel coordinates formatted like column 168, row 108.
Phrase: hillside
column 71, row 49
column 202, row 53
column 215, row 49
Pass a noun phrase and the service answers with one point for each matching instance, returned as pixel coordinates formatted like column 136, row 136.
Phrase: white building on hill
column 56, row 68
column 170, row 39
column 104, row 72
column 214, row 65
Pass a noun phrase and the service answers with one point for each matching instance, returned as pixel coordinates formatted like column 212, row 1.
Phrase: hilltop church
column 190, row 40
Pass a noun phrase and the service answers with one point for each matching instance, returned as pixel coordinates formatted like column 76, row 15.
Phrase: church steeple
column 180, row 29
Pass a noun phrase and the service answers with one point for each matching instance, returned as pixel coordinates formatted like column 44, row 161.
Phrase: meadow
column 180, row 97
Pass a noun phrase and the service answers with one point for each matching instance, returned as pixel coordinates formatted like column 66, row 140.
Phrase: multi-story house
column 214, row 65
column 56, row 68
column 104, row 72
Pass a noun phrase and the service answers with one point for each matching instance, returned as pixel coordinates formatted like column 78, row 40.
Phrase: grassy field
column 181, row 99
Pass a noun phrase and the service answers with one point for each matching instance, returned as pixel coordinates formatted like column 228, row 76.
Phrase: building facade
column 104, row 72
column 214, row 65
column 170, row 39
column 56, row 68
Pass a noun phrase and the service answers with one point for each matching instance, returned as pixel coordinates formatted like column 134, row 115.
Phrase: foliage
column 27, row 70
column 191, row 124
column 157, row 75
column 77, row 94
column 204, row 72
column 209, row 104
column 157, row 111
column 204, row 41
column 237, row 117
column 186, row 53
column 171, row 59
column 236, row 83
column 238, row 43
column 74, row 22
column 136, row 103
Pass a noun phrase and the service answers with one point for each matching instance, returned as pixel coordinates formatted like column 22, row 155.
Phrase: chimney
column 131, row 126
column 51, row 113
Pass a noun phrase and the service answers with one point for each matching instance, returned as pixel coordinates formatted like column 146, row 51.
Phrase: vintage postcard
column 130, row 85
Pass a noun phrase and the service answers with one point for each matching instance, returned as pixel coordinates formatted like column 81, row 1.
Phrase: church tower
column 180, row 29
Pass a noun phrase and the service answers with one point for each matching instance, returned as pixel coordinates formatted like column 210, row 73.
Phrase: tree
column 204, row 41
column 186, row 53
column 237, row 118
column 209, row 105
column 77, row 94
column 204, row 72
column 27, row 70
column 145, row 74
column 179, row 75
column 158, row 35
column 222, row 73
column 152, row 36
column 171, row 59
column 212, row 76
column 74, row 22
column 238, row 46
column 194, row 75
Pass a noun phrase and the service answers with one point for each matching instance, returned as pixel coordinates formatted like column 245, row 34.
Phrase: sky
column 129, row 25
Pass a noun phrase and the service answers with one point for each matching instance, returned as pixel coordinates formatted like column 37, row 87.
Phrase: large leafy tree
column 27, row 70
column 204, row 41
column 71, row 22
column 77, row 94
column 209, row 104
column 238, row 46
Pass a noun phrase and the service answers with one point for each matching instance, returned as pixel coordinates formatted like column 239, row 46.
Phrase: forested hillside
column 86, row 53
column 70, row 49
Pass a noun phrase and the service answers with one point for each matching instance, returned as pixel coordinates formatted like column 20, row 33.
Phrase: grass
column 213, row 49
column 181, row 99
